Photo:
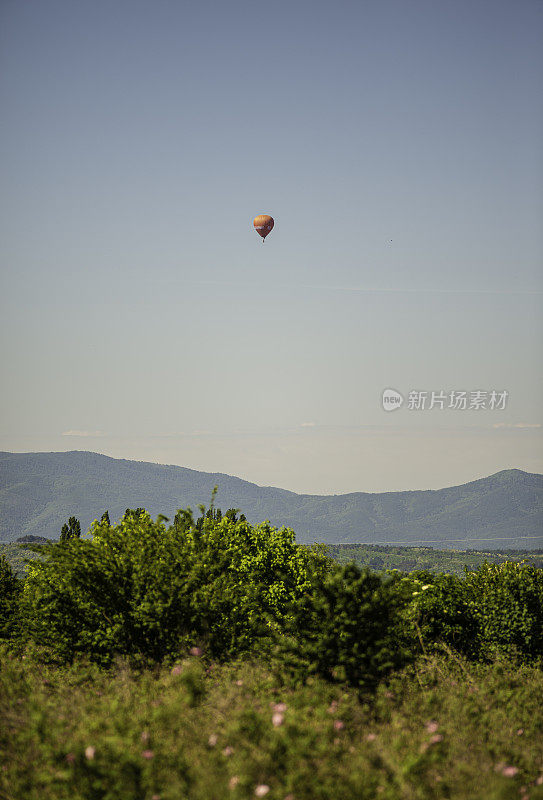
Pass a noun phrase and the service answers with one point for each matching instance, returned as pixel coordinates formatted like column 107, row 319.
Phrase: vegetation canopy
column 148, row 590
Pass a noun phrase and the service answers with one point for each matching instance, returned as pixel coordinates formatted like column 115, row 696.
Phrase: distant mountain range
column 39, row 491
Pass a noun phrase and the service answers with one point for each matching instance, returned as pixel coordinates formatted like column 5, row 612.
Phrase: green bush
column 347, row 628
column 495, row 609
column 10, row 590
column 506, row 601
column 437, row 610
column 149, row 591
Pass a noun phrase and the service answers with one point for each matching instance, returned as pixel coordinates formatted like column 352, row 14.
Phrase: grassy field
column 444, row 728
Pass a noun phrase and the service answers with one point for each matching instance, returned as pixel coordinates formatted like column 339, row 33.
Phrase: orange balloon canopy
column 263, row 225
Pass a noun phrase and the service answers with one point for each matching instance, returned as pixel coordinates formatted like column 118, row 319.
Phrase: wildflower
column 436, row 738
column 426, row 586
column 70, row 758
column 145, row 736
column 239, row 683
column 332, row 708
column 148, row 755
column 228, row 751
column 277, row 720
column 371, row 737
column 262, row 789
column 432, row 726
column 195, row 651
column 539, row 781
column 90, row 752
column 280, row 708
column 213, row 739
column 176, row 670
column 233, row 782
column 509, row 772
column 520, row 731
column 338, row 724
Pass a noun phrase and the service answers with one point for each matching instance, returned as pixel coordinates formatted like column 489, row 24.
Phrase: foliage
column 441, row 728
column 437, row 610
column 18, row 555
column 150, row 591
column 70, row 530
column 10, row 588
column 346, row 628
column 496, row 608
column 507, row 603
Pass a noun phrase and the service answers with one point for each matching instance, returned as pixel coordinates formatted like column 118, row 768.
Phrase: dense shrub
column 493, row 609
column 346, row 628
column 506, row 601
column 143, row 589
column 10, row 589
column 437, row 610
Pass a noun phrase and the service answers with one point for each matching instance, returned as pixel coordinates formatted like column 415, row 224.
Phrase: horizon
column 397, row 147
column 265, row 486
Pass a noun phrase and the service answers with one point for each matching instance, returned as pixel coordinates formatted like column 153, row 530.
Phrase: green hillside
column 39, row 491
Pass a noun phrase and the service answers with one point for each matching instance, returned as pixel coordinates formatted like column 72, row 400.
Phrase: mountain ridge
column 38, row 491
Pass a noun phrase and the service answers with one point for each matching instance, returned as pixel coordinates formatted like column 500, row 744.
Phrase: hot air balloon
column 263, row 225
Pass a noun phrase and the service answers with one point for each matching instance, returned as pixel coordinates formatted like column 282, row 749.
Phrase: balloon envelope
column 263, row 224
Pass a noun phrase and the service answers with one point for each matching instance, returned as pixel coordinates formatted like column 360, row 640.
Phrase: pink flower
column 213, row 739
column 332, row 708
column 338, row 724
column 277, row 720
column 539, row 781
column 520, row 731
column 432, row 726
column 90, row 753
column 148, row 755
column 228, row 750
column 261, row 790
column 233, row 782
column 195, row 651
column 371, row 737
column 280, row 708
column 239, row 683
column 176, row 670
column 509, row 772
column 436, row 738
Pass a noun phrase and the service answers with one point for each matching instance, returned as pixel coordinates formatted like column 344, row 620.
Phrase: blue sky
column 398, row 147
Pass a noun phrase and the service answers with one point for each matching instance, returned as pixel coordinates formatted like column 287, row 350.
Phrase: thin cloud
column 307, row 424
column 517, row 425
column 83, row 433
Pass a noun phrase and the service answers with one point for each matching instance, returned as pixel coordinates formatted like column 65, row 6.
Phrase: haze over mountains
column 39, row 491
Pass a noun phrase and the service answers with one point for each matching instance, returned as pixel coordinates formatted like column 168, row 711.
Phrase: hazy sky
column 398, row 147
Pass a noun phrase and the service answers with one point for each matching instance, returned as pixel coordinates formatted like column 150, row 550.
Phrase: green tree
column 105, row 518
column 143, row 589
column 70, row 530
